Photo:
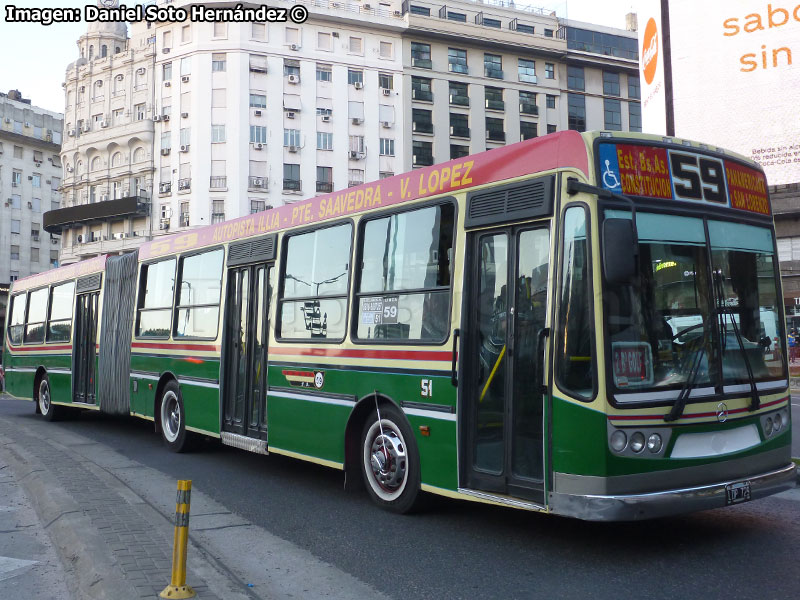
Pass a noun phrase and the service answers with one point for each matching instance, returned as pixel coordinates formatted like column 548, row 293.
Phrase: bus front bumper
column 634, row 507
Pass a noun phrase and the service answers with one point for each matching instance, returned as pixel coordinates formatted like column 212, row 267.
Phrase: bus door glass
column 85, row 348
column 245, row 396
column 505, row 340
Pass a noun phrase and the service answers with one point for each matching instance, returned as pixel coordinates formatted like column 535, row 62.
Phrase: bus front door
column 507, row 315
column 84, row 349
column 245, row 353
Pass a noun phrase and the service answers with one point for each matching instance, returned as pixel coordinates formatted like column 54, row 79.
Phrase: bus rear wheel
column 172, row 419
column 390, row 461
column 44, row 400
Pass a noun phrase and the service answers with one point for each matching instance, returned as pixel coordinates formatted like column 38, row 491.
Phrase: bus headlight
column 618, row 441
column 768, row 426
column 778, row 422
column 654, row 443
column 637, row 441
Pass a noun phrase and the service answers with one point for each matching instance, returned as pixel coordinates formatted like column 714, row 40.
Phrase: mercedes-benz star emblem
column 722, row 412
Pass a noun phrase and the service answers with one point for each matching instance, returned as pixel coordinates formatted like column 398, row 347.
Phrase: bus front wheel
column 173, row 419
column 390, row 460
column 45, row 401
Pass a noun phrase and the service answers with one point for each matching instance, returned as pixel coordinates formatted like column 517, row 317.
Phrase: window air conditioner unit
column 386, row 124
column 103, row 123
column 71, row 133
column 257, row 113
column 185, row 79
column 357, row 121
column 294, row 47
column 293, row 148
column 165, row 117
column 30, row 204
column 326, row 118
column 156, row 118
column 87, row 128
column 185, row 148
column 258, row 146
column 290, row 114
column 397, row 13
column 165, row 151
column 185, row 115
column 367, row 7
column 358, row 85
column 294, row 78
column 258, row 182
column 164, row 224
column 140, row 71
column 386, row 92
column 165, row 51
column 167, row 84
column 354, row 154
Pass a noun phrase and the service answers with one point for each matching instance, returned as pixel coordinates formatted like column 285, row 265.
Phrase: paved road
column 466, row 550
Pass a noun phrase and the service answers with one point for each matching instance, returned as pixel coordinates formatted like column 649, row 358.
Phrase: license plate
column 737, row 492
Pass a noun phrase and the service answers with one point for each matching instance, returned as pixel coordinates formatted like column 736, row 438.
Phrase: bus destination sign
column 678, row 174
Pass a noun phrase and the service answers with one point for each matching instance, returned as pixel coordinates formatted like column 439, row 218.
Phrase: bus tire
column 172, row 418
column 390, row 461
column 44, row 400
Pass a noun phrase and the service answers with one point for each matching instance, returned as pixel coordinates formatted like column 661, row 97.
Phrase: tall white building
column 30, row 177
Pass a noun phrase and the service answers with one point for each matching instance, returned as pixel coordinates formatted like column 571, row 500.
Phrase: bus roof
column 78, row 269
column 562, row 149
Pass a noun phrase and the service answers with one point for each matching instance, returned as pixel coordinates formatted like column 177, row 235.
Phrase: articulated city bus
column 583, row 324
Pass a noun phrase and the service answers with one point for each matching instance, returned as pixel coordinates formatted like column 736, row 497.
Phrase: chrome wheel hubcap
column 171, row 416
column 385, row 460
column 44, row 397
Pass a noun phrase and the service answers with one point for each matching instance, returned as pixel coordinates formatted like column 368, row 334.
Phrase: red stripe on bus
column 39, row 348
column 298, row 373
column 350, row 353
column 195, row 347
column 690, row 416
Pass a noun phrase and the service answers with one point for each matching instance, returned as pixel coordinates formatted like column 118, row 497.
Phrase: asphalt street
column 457, row 549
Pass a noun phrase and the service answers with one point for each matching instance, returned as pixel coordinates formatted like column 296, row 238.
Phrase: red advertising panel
column 747, row 188
column 644, row 171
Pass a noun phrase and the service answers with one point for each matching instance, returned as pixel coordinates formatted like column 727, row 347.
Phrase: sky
column 35, row 57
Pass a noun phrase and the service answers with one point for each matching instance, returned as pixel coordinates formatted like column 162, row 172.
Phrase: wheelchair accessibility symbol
column 610, row 179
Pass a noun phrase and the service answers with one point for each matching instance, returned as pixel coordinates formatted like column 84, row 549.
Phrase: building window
column 291, row 67
column 15, row 225
column 459, row 96
column 634, row 90
column 220, row 29
column 13, row 276
column 385, row 174
column 386, row 81
column 527, row 130
column 258, row 100
column 166, row 140
column 139, row 109
column 36, row 180
column 324, row 73
column 495, row 131
column 459, row 125
column 355, row 76
column 421, row 89
column 325, row 112
column 166, row 71
column 550, row 100
column 457, row 60
column 14, row 252
column 355, row 177
column 527, row 103
column 323, row 41
column 548, row 33
column 356, row 45
column 54, row 260
column 421, row 55
column 493, row 66
column 217, row 211
column 186, row 34
column 186, row 65
column 184, row 214
column 421, row 121
column 575, row 80
column 494, row 98
column 217, row 134
column 577, row 112
column 422, row 153
column 291, row 177
column 420, row 10
column 487, row 22
column 186, row 136
column 291, row 137
column 259, row 31
column 613, row 114
column 257, row 206
column 218, row 61
column 324, row 179
column 357, row 143
column 18, row 151
column 611, row 84
column 549, row 70
column 386, row 50
column 634, row 116
column 521, row 28
column 526, row 70
column 324, row 140
column 457, row 151
column 258, row 134
column 387, row 147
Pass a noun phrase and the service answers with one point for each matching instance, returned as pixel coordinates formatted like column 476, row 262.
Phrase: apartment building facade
column 30, row 178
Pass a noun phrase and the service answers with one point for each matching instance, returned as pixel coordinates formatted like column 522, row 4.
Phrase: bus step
column 501, row 499
column 244, row 443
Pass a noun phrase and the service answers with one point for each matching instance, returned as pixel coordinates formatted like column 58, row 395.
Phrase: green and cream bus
column 582, row 324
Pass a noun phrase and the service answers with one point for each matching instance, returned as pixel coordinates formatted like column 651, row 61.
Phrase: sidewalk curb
column 85, row 556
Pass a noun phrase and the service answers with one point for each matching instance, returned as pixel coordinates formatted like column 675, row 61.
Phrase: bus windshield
column 696, row 289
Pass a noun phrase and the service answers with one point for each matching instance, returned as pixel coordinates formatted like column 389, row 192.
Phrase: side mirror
column 620, row 250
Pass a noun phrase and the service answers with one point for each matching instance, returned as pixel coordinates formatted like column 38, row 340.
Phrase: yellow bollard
column 178, row 588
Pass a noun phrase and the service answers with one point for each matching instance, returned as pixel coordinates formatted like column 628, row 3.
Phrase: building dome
column 115, row 29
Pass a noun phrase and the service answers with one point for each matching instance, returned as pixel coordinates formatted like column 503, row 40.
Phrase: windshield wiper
column 688, row 385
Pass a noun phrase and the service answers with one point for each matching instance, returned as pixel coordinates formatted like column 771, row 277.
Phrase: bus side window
column 59, row 323
column 16, row 322
column 575, row 348
column 37, row 313
column 197, row 303
column 156, row 285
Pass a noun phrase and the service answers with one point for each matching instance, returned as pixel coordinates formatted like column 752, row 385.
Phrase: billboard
column 651, row 64
column 734, row 79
